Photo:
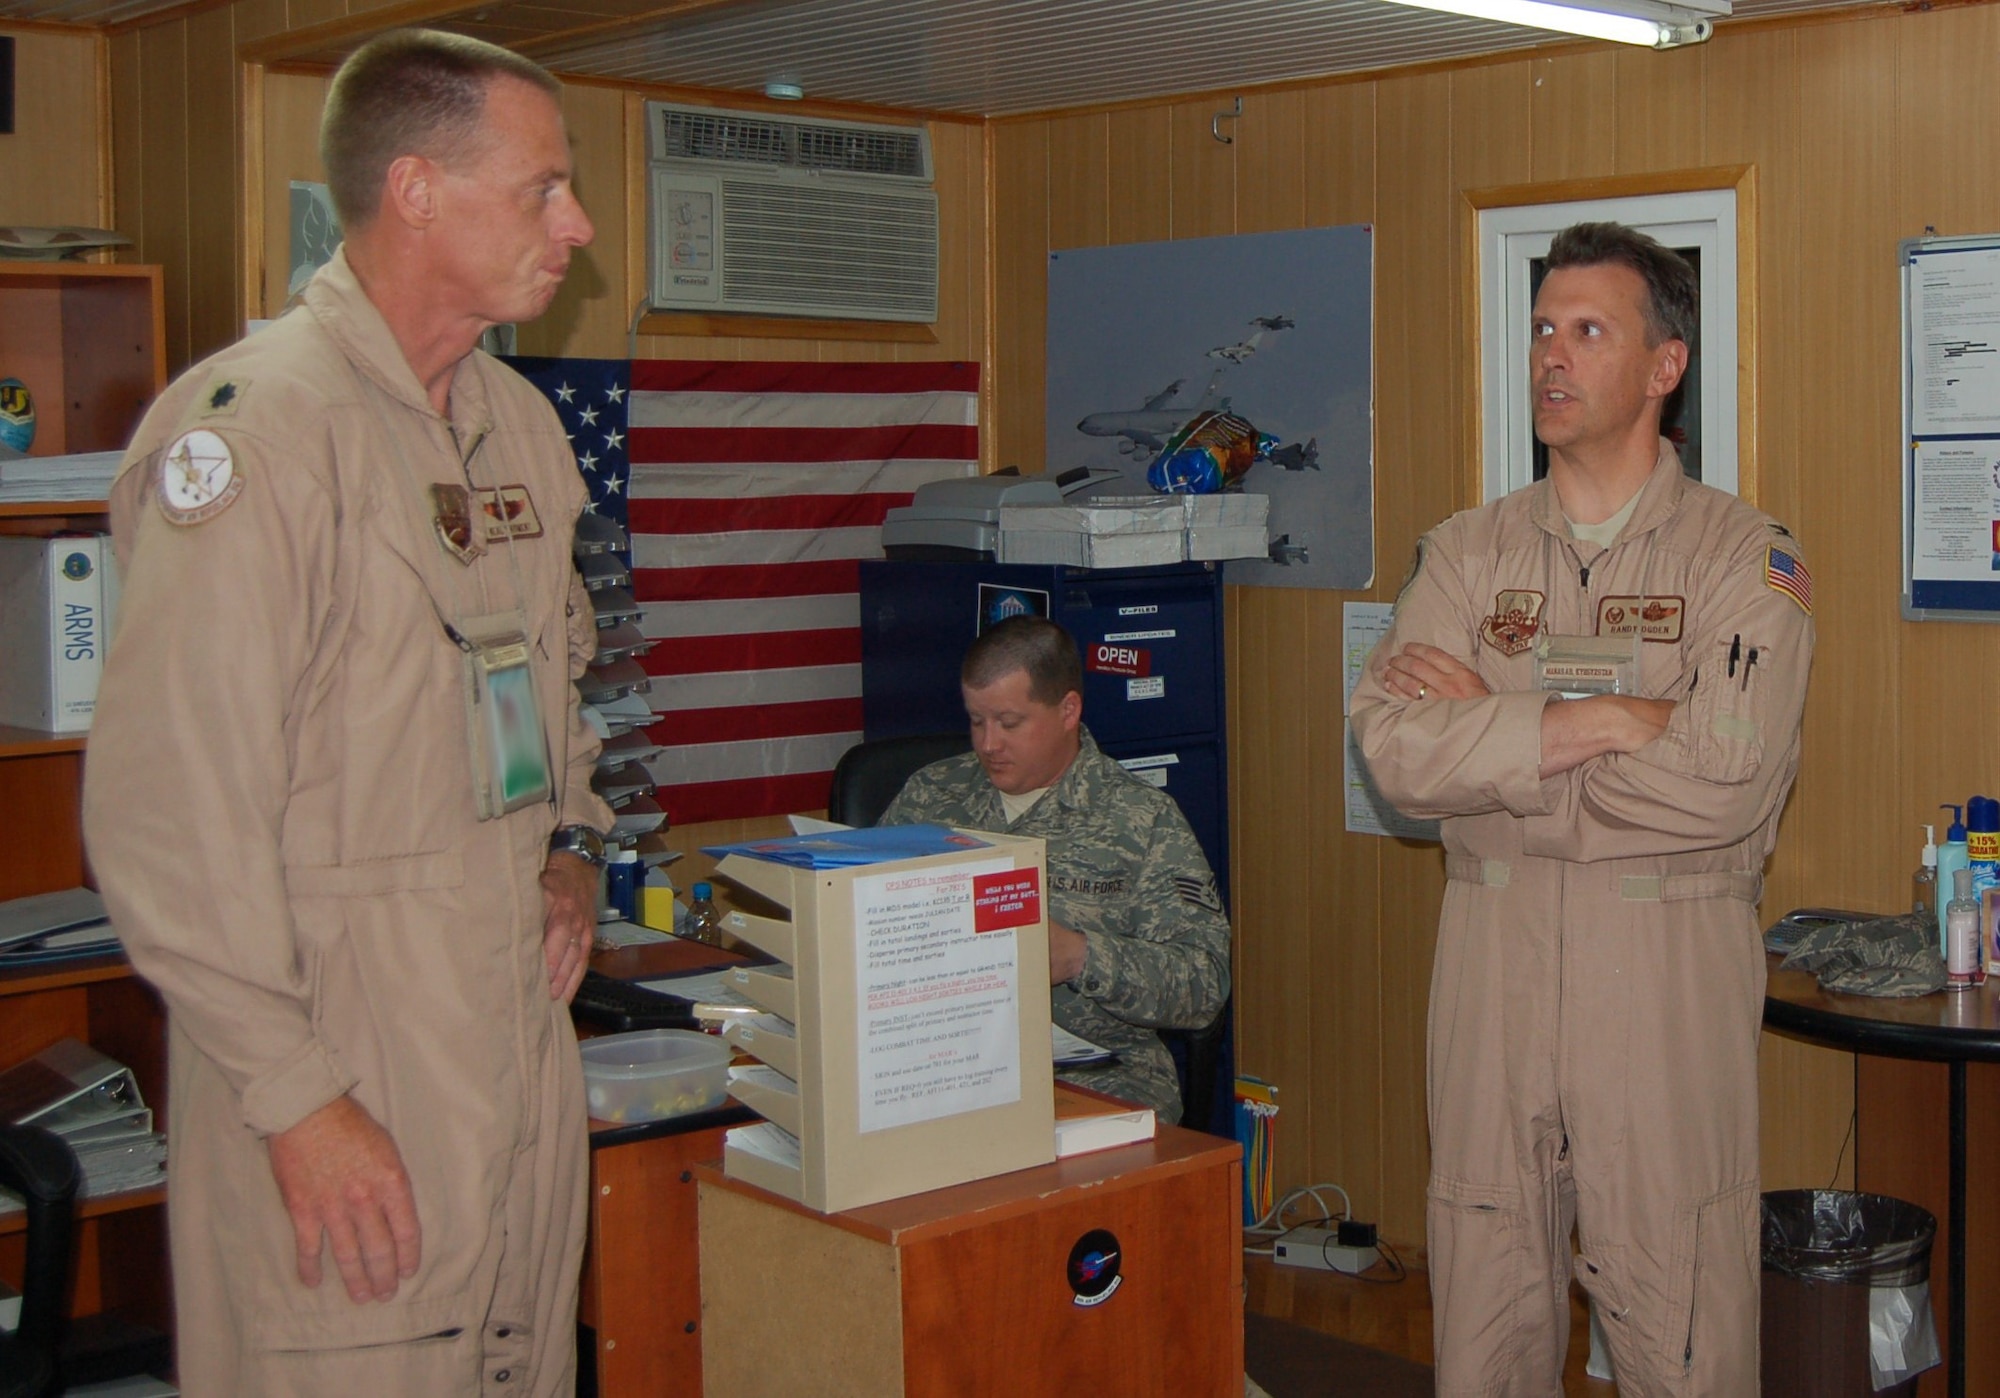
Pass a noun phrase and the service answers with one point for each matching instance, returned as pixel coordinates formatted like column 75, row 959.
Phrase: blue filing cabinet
column 1153, row 669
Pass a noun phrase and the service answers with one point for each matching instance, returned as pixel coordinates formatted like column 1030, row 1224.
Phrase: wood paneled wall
column 185, row 158
column 54, row 168
column 1862, row 132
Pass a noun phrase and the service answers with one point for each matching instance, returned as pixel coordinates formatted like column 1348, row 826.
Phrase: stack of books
column 93, row 1103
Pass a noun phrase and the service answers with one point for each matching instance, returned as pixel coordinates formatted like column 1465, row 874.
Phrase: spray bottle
column 1982, row 847
column 1952, row 855
column 1924, row 882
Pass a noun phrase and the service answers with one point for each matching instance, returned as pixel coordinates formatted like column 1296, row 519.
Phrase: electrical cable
column 1852, row 1116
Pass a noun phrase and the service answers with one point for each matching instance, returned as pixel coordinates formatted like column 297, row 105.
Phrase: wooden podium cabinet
column 970, row 1292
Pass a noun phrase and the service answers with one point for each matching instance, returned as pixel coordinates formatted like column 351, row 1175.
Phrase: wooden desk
column 1952, row 1027
column 641, row 1278
column 966, row 1292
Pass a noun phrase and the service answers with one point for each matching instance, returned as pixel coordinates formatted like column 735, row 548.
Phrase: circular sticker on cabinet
column 1093, row 1267
column 17, row 415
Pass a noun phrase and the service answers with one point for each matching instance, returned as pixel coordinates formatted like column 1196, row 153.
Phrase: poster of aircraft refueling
column 1254, row 348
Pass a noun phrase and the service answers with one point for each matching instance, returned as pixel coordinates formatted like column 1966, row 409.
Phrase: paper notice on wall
column 1955, row 511
column 1368, row 810
column 1954, row 310
column 939, row 1028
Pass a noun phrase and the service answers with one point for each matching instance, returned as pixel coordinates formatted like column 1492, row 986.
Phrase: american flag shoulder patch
column 1789, row 575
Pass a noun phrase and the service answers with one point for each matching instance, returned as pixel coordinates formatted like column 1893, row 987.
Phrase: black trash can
column 1826, row 1252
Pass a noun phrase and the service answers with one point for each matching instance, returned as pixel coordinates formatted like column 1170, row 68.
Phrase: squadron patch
column 198, row 478
column 451, row 516
column 1516, row 618
column 1650, row 618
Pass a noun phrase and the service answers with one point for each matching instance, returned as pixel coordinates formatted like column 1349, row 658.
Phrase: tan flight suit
column 279, row 805
column 1599, row 981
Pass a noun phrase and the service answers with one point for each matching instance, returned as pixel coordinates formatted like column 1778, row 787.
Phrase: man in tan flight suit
column 1599, row 980
column 365, row 924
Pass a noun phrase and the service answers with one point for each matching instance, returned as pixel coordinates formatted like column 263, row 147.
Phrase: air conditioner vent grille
column 810, row 247
column 735, row 138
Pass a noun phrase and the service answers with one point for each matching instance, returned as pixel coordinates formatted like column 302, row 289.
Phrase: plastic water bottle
column 704, row 923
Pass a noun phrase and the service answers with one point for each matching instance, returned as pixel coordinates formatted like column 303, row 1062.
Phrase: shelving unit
column 89, row 342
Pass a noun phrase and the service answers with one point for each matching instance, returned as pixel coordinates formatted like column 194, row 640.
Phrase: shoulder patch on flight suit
column 1516, row 617
column 1785, row 573
column 199, row 478
column 223, row 398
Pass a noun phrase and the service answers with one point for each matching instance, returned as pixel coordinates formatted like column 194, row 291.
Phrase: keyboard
column 605, row 1002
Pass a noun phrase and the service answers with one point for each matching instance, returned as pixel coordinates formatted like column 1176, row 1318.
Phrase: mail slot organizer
column 904, row 1039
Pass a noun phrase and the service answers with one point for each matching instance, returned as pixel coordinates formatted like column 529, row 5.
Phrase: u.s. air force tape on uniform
column 199, row 478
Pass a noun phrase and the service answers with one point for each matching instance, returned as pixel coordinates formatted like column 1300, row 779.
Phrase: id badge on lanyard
column 509, row 747
column 1579, row 666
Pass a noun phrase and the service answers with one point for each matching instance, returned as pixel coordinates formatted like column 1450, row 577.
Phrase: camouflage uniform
column 1124, row 870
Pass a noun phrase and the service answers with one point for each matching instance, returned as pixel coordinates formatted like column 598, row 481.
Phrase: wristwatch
column 580, row 840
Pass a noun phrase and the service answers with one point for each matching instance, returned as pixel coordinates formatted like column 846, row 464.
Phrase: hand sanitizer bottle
column 1963, row 966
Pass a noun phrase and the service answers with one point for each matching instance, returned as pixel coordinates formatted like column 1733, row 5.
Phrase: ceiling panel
column 996, row 57
column 975, row 57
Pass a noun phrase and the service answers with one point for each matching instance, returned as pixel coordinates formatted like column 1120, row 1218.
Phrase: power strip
column 1320, row 1250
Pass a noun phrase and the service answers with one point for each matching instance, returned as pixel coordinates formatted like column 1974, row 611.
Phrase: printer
column 958, row 520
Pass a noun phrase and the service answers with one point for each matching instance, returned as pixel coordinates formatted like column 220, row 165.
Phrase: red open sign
column 1105, row 658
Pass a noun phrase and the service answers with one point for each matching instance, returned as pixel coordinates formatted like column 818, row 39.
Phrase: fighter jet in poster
column 1207, row 446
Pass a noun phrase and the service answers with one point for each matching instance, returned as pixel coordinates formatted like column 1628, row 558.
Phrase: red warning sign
column 1009, row 898
column 1107, row 659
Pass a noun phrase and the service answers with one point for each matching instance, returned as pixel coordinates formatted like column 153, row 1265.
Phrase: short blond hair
column 409, row 92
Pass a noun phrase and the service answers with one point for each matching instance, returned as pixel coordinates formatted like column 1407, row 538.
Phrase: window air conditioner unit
column 790, row 217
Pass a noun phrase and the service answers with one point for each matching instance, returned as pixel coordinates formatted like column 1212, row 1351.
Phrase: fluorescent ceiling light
column 1647, row 25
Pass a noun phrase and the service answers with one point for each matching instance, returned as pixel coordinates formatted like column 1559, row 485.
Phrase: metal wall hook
column 1215, row 123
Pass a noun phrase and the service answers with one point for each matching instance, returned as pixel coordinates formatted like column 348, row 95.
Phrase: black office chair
column 868, row 775
column 41, row 1168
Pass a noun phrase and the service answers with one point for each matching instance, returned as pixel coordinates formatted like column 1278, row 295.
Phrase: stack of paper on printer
column 93, row 1103
column 54, row 927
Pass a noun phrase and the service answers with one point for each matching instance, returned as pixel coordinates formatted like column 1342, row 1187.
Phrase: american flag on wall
column 751, row 491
